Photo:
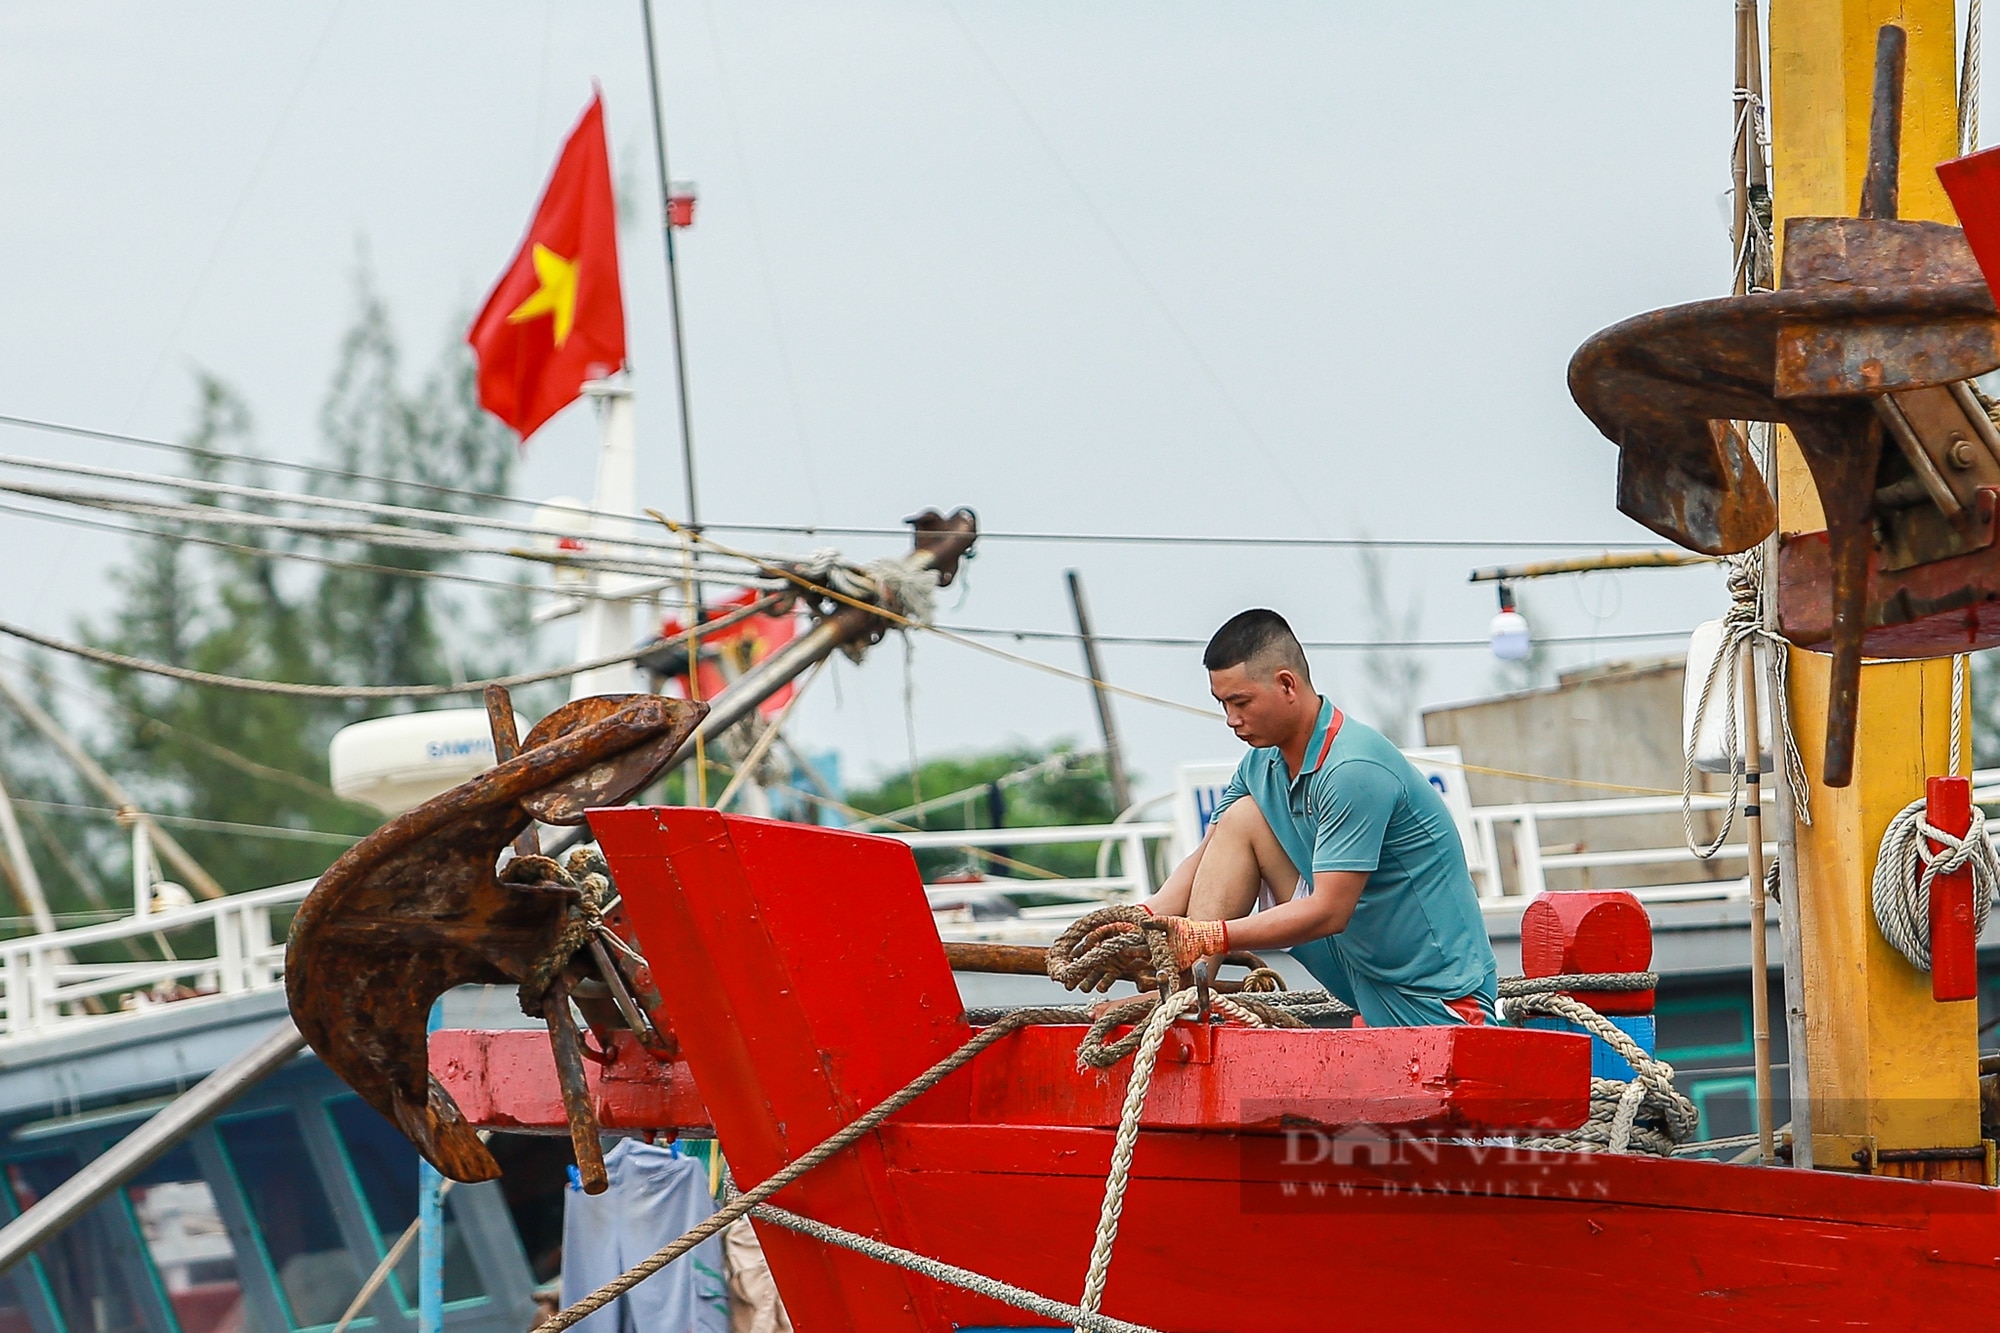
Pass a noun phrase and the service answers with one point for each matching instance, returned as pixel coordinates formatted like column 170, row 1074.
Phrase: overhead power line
column 1330, row 645
column 846, row 530
column 1204, row 539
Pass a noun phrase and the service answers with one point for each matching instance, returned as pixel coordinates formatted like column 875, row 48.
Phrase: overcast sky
column 1303, row 270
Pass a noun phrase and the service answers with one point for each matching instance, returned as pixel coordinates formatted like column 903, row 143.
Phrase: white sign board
column 1198, row 790
column 1443, row 766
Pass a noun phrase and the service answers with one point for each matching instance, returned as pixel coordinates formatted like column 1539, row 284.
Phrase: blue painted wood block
column 1605, row 1062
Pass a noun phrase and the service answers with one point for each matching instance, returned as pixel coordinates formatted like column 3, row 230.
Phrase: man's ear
column 1285, row 680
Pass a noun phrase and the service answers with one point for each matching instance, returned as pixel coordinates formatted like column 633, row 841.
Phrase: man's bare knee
column 1245, row 826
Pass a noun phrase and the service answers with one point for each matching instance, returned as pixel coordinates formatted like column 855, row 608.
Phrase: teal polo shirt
column 1416, row 938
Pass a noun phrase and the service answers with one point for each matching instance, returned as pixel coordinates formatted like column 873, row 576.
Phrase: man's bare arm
column 1172, row 899
column 1326, row 911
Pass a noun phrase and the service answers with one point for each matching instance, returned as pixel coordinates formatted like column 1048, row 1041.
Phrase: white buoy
column 397, row 763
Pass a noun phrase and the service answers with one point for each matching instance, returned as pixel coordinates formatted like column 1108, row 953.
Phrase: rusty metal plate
column 1875, row 253
column 416, row 908
column 1929, row 610
column 609, row 782
column 1858, row 355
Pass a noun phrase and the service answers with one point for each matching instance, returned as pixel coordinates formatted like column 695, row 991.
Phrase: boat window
column 90, row 1287
column 13, row 1315
column 316, row 1274
column 534, row 1179
column 385, row 1173
column 1704, row 1027
column 1725, row 1106
column 189, row 1245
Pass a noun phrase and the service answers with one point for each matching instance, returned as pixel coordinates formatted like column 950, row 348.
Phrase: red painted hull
column 806, row 983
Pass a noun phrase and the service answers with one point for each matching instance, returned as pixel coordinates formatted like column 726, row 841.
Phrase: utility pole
column 673, row 271
column 1114, row 757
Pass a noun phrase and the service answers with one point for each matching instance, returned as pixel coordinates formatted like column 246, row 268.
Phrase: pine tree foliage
column 261, row 759
column 1038, row 786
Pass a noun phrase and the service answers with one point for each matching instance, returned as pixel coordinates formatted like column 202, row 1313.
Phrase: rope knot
column 1906, row 867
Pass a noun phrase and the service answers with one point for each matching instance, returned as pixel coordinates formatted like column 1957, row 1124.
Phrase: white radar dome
column 397, row 763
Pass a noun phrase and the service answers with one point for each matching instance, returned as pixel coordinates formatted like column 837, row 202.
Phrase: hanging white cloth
column 656, row 1195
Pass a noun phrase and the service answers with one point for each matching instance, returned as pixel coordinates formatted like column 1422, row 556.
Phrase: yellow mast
column 1890, row 1069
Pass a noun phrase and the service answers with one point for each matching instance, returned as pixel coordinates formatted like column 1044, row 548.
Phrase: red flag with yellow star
column 555, row 319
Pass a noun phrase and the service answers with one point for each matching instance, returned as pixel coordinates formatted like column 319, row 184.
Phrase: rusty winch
column 1865, row 353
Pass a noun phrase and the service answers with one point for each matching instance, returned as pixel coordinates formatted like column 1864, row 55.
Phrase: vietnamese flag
column 555, row 319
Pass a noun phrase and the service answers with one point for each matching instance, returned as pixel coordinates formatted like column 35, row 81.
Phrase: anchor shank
column 1885, row 125
column 1843, row 453
column 568, row 1046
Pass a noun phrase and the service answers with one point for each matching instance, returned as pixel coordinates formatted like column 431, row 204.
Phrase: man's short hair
column 1260, row 640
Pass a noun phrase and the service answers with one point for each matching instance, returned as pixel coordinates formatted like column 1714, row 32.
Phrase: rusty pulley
column 1864, row 352
column 418, row 907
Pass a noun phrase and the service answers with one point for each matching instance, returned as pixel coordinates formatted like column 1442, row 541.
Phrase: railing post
column 1137, row 868
column 257, row 945
column 42, row 1005
column 1528, row 854
column 1490, row 883
column 19, row 990
column 229, row 951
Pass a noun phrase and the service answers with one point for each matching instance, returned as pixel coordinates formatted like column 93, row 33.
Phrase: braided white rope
column 1902, row 893
column 937, row 1270
column 1957, row 712
column 1743, row 624
column 1968, row 83
column 1170, row 1008
column 1615, row 1107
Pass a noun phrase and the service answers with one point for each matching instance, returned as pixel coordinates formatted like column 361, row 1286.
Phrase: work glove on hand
column 1195, row 940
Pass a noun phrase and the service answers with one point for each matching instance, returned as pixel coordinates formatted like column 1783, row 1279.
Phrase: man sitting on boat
column 1329, row 843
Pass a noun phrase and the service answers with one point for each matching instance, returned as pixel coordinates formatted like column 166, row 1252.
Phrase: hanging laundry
column 656, row 1194
column 754, row 1306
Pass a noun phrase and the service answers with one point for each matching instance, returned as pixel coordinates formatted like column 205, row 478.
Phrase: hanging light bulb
column 1509, row 631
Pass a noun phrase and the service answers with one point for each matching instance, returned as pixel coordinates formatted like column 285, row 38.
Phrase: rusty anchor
column 417, row 907
column 1864, row 352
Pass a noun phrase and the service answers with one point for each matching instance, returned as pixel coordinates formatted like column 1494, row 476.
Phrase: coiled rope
column 1648, row 1114
column 1743, row 624
column 1906, row 867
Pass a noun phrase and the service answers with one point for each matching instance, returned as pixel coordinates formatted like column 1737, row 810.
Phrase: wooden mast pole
column 1891, row 1069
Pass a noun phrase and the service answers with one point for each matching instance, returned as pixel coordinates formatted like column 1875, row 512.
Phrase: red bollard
column 1954, row 940
column 1602, row 930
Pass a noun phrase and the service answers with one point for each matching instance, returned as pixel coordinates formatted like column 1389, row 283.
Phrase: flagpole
column 673, row 271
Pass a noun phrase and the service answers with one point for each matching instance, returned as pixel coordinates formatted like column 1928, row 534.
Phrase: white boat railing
column 1534, row 861
column 1131, row 842
column 42, row 982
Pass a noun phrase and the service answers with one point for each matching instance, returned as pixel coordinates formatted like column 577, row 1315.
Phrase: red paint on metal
column 1973, row 182
column 1945, row 606
column 1591, row 931
column 507, row 1080
column 1458, row 1080
column 1954, row 934
column 807, row 984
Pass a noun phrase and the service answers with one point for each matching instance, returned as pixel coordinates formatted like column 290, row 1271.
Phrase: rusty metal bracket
column 1863, row 353
column 417, row 908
